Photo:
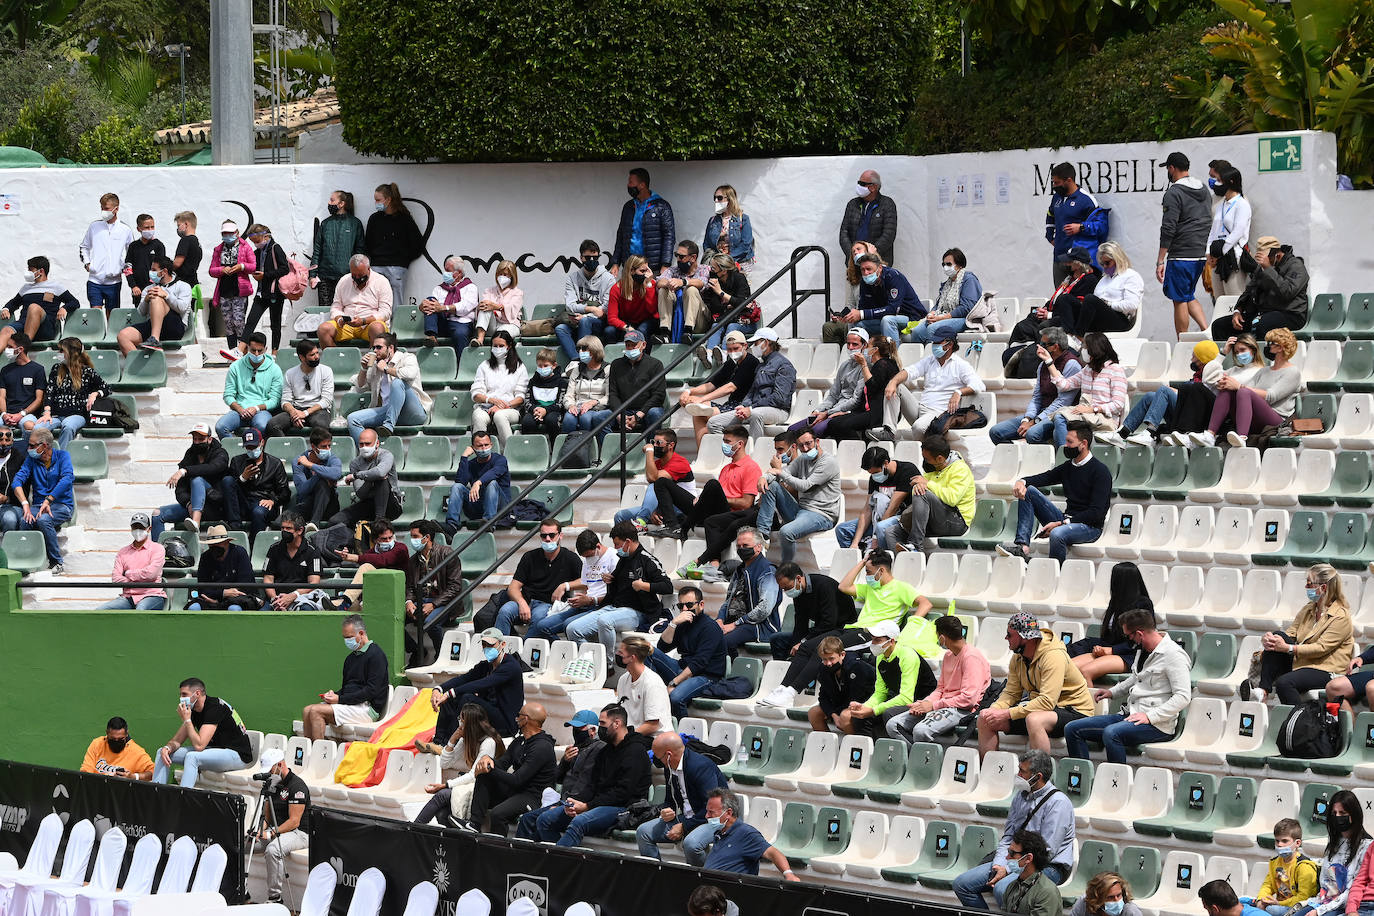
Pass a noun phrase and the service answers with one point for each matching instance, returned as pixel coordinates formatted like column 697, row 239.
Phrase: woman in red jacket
column 634, row 302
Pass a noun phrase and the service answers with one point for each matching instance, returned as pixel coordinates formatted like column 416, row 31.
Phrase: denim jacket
column 741, row 237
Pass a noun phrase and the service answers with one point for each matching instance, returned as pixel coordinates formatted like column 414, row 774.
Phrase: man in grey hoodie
column 805, row 493
column 1183, row 232
column 585, row 294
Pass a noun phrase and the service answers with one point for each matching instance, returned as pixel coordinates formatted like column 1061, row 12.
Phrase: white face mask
column 720, row 206
column 503, row 281
column 30, row 277
column 140, row 535
column 949, row 269
column 367, row 451
column 860, row 191
column 736, row 355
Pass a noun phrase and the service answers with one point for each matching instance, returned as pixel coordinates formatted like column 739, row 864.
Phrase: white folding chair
column 27, row 893
column 319, row 890
column 210, row 869
column 60, row 899
column 367, row 894
column 41, row 855
column 423, row 899
column 142, row 869
column 473, row 903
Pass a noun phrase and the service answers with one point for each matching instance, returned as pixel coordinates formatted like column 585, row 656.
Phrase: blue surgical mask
column 543, row 371
column 634, row 354
column 1285, row 852
column 1311, row 592
column 880, row 477
column 385, row 546
column 584, row 356
column 256, row 358
column 1213, row 183
column 713, row 821
column 871, row 581
column 379, row 207
column 254, row 453
column 1013, row 866
column 491, row 653
column 227, row 238
column 811, row 453
column 35, row 454
column 153, row 277
column 549, row 546
column 1244, row 357
column 727, row 450
column 324, row 454
column 417, row 544
column 870, row 279
column 792, row 592
column 1114, row 907
column 352, row 643
column 621, row 552
column 481, row 454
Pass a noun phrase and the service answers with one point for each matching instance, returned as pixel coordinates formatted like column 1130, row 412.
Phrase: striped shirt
column 1105, row 390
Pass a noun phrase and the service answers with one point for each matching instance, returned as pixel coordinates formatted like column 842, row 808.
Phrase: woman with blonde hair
column 1114, row 301
column 73, row 386
column 393, row 240
column 1107, row 894
column 634, row 301
column 1267, row 399
column 503, row 305
column 1316, row 648
column 729, row 231
column 585, row 401
column 727, row 288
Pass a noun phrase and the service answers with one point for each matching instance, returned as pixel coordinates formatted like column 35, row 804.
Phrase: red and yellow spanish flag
column 364, row 762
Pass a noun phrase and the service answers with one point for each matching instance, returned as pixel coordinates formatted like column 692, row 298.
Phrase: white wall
column 544, row 210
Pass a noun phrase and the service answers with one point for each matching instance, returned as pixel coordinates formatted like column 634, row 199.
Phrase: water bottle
column 741, row 755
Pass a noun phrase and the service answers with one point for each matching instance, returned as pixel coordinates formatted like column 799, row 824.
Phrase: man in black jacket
column 576, row 771
column 1087, row 487
column 634, row 594
column 844, row 678
column 622, row 778
column 819, row 609
column 496, row 683
column 361, row 698
column 626, row 376
column 513, row 784
column 688, row 778
column 1274, row 297
column 198, row 474
column 257, row 484
column 869, row 217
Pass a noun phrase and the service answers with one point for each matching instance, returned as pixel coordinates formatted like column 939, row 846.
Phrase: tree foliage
column 116, row 141
column 566, row 80
column 1060, row 25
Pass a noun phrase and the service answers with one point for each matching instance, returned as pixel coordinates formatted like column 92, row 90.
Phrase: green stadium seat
column 24, row 550
column 551, row 495
column 1324, row 319
column 89, row 460
column 345, row 404
column 144, row 370
column 1140, row 867
column 192, row 541
column 1137, row 463
column 784, row 756
column 412, row 507
column 344, row 363
column 1312, row 810
column 1283, row 764
column 614, row 352
column 886, row 768
column 118, row 320
column 437, row 509
column 1169, row 469
column 1359, row 317
column 923, row 763
column 287, row 448
column 86, row 325
column 685, row 372
column 438, row 367
column 1094, row 857
column 46, row 358
column 408, row 324
column 749, row 668
column 1269, row 747
column 261, row 544
column 528, row 352
column 1205, row 466
column 1109, row 455
column 1216, row 656
column 1074, row 777
column 1194, row 799
column 976, row 844
column 240, row 538
column 1359, row 750
column 1346, row 534
column 1355, row 372
column 987, row 530
column 478, row 555
column 1306, row 535
column 427, row 458
column 528, row 456
column 1352, row 483
column 939, row 852
column 468, row 361
column 828, row 834
column 757, row 742
column 565, row 473
column 345, row 449
column 451, row 414
column 1235, row 805
column 105, row 363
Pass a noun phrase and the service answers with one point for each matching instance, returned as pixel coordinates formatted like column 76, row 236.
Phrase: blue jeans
column 527, row 828
column 1151, row 409
column 175, row 512
column 892, row 326
column 64, row 428
column 1005, row 431
column 799, row 522
column 231, row 423
column 214, row 759
column 101, row 295
column 151, row 603
column 48, row 524
column 668, row 668
column 510, row 613
column 718, row 338
column 403, row 408
column 944, row 330
column 885, row 532
column 968, row 887
column 11, row 517
column 460, row 332
column 587, row 326
column 551, row 626
column 585, row 422
column 1037, row 507
column 196, row 606
column 694, row 844
column 646, row 508
column 603, row 626
column 1113, row 732
column 490, row 498
column 556, row 824
column 236, row 505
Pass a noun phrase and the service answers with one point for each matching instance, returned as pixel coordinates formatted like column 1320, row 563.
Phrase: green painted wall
column 63, row 674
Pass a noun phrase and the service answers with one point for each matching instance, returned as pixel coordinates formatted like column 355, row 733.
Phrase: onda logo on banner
column 532, row 887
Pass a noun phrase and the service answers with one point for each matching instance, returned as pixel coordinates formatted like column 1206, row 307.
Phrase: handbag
column 963, row 418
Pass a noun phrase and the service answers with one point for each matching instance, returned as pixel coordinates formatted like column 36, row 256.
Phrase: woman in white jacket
column 498, row 391
column 1113, row 303
column 475, row 738
column 1230, row 233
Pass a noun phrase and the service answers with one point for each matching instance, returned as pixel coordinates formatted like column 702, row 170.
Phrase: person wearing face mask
column 451, row 307
column 576, row 769
column 1343, row 868
column 633, row 303
column 338, row 237
column 186, row 260
column 1072, row 218
column 1157, row 690
column 835, row 327
column 903, row 678
column 482, row 484
column 688, row 776
column 729, row 231
column 362, row 306
column 700, row 647
column 1183, row 231
column 1101, row 385
column 622, row 778
column 1045, row 690
column 362, row 694
column 315, row 474
column 292, row 561
column 585, row 402
column 211, row 737
column 680, row 285
column 959, row 292
column 942, row 495
column 846, row 392
column 103, row 249
column 634, row 594
column 768, row 400
column 646, row 226
column 1107, row 894
column 1292, row 876
column 139, row 256
column 503, row 304
column 1036, row 424
column 1160, row 408
column 1033, row 893
column 1267, row 399
column 1230, row 231
column 884, row 598
column 1114, row 302
column 583, row 594
column 870, row 216
column 964, row 677
column 256, row 486
column 672, row 487
column 543, row 406
column 1239, row 360
column 272, row 265
column 738, row 847
column 529, row 597
column 376, row 490
column 512, row 783
column 499, row 388
column 392, row 239
column 726, row 287
column 223, row 561
column 495, row 683
column 887, row 302
column 139, row 561
column 806, row 494
column 73, row 387
column 1038, row 808
column 1315, row 648
column 819, row 610
column 1275, row 295
column 1018, row 360
column 232, row 264
column 876, row 410
column 396, row 397
column 1219, row 899
column 387, row 552
column 307, row 399
column 948, row 379
column 252, row 390
column 48, row 472
column 23, row 383
column 641, row 689
column 627, row 375
column 586, row 295
column 197, row 476
column 841, row 679
column 725, row 390
column 429, row 602
column 11, row 460
column 1087, row 487
column 116, row 754
column 40, row 306
column 166, row 303
column 725, row 505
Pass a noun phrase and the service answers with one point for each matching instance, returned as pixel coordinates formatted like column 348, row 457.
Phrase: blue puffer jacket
column 659, row 233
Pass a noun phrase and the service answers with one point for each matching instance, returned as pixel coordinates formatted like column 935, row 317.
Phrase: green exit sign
column 1280, row 154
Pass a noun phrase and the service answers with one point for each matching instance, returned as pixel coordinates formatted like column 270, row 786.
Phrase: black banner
column 30, row 793
column 551, row 877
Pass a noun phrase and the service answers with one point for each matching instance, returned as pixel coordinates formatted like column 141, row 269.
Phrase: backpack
column 719, row 754
column 296, row 281
column 578, row 449
column 107, row 413
column 736, row 687
column 1311, row 731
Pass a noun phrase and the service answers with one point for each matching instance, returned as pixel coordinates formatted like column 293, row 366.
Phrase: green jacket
column 337, row 239
column 253, row 388
column 1037, row 897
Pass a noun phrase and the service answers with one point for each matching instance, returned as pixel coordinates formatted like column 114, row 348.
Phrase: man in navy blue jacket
column 1087, row 487
column 483, row 484
column 646, row 226
column 887, row 302
column 1072, row 218
column 688, row 778
column 496, row 684
column 700, row 645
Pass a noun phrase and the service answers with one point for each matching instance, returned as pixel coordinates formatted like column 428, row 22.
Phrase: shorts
column 46, row 331
column 1065, row 714
column 1358, row 682
column 1180, row 279
column 344, row 331
column 173, row 327
column 361, row 714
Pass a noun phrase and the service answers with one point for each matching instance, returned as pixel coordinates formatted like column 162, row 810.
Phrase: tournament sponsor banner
column 551, row 877
column 30, row 793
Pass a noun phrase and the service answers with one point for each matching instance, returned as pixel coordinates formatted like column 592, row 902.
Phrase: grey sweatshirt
column 847, row 391
column 581, row 291
column 1280, row 387
column 816, row 483
column 1187, row 220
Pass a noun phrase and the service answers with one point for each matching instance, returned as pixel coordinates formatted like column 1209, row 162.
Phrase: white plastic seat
column 1238, row 475
column 319, row 890
column 1205, row 725
column 1003, row 470
column 773, row 673
column 867, row 840
column 1228, row 531
column 1005, row 586
column 1038, row 588
column 904, row 836
column 1229, row 686
column 991, row 640
column 1077, row 583
column 825, row 363
column 1218, row 597
column 1192, row 531
column 394, row 778
column 1151, row 365
column 1180, row 596
column 400, row 696
column 1066, row 631
column 1111, row 793
column 908, row 566
column 724, row 733
column 60, row 899
column 972, row 584
column 849, row 455
column 241, row 779
column 424, row 771
column 1120, row 534
column 1244, row 730
column 454, row 658
column 958, row 776
column 1180, row 877
column 1157, row 532
column 709, row 458
column 26, row 890
column 692, row 725
column 1353, row 424
column 1274, row 799
column 851, row 762
column 996, row 780
column 1152, row 793
column 941, row 574
column 845, row 559
column 818, row 759
column 1363, row 616
column 798, row 353
column 1311, row 474
column 765, row 816
column 319, row 768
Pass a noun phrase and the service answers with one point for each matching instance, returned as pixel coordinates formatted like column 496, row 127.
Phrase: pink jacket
column 963, row 679
column 247, row 258
column 1361, row 886
column 141, row 563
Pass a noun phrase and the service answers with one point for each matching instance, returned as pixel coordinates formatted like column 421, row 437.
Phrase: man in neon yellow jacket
column 903, row 678
column 942, row 498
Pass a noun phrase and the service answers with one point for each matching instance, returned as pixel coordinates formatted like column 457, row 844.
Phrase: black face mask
column 1219, row 189
column 1060, row 190
column 684, row 266
column 361, row 281
column 632, row 190
column 745, row 554
column 335, row 209
column 603, row 733
column 1341, row 822
column 117, row 744
column 589, row 264
column 1071, row 453
column 581, row 738
column 660, row 452
column 929, row 467
column 312, row 363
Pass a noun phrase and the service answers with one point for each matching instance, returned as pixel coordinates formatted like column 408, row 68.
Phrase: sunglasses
column 379, row 348
column 866, row 184
column 720, row 197
column 686, row 605
column 549, row 535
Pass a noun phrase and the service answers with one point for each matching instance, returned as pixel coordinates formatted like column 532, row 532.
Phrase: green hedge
column 1115, row 95
column 663, row 79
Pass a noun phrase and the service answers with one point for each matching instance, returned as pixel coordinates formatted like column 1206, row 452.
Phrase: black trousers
column 806, row 664
column 437, row 809
column 1222, row 328
column 1092, row 314
column 375, row 500
column 505, row 808
column 449, row 713
column 271, row 302
column 672, row 500
column 1278, row 675
column 721, row 530
column 1193, row 412
column 710, row 501
column 853, row 424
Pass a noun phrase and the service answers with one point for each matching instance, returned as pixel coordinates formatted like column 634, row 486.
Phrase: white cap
column 885, row 629
column 764, row 334
column 270, row 758
column 201, row 428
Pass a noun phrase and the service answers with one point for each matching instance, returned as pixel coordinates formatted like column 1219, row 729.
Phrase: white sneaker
column 1113, row 439
column 1236, row 439
column 779, row 696
column 1141, row 437
column 1205, row 439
